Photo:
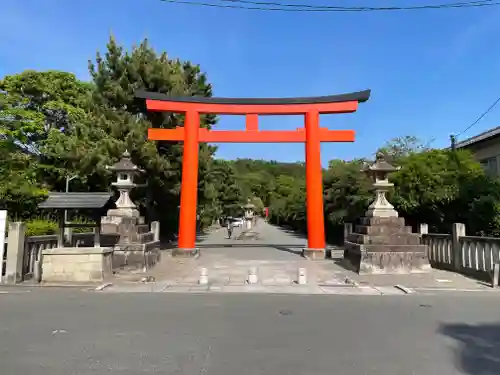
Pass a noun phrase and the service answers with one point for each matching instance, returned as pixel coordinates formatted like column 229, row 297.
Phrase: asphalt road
column 70, row 332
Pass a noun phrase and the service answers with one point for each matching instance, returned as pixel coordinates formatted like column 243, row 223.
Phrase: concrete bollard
column 37, row 272
column 203, row 277
column 496, row 274
column 301, row 276
column 252, row 276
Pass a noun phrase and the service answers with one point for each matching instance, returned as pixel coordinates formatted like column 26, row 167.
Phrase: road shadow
column 289, row 248
column 478, row 347
column 291, row 232
column 337, row 242
column 170, row 241
column 343, row 263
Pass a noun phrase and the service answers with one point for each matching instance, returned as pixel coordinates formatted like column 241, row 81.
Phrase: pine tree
column 117, row 121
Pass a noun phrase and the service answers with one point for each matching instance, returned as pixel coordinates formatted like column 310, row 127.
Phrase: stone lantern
column 381, row 241
column 249, row 214
column 125, row 172
column 379, row 171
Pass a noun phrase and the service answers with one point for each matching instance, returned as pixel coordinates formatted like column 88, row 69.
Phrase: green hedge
column 42, row 227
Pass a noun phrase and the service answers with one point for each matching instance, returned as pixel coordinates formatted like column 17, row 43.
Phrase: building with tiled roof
column 486, row 149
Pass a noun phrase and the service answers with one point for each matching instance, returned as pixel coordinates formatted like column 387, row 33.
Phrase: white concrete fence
column 461, row 253
column 21, row 253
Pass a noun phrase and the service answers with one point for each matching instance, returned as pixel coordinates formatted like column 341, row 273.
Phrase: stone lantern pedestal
column 381, row 242
column 249, row 215
column 135, row 241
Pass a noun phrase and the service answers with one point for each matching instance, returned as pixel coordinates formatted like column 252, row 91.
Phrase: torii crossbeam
column 312, row 135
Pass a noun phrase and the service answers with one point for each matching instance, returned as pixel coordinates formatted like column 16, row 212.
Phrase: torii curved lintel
column 359, row 96
column 341, row 103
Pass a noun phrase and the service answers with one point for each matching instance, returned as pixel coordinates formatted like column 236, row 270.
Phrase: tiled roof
column 76, row 200
column 479, row 138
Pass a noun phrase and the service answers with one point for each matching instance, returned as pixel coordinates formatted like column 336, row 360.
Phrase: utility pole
column 68, row 179
column 453, row 140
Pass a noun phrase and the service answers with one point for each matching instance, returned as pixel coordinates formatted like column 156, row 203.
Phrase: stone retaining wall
column 83, row 264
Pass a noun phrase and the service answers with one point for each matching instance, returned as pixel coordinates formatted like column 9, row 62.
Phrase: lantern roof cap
column 381, row 165
column 125, row 164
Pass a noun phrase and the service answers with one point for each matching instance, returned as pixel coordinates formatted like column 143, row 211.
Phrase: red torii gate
column 191, row 134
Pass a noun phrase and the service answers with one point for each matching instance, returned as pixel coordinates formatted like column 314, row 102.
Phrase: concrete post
column 458, row 231
column 68, row 234
column 15, row 253
column 3, row 223
column 424, row 229
column 97, row 236
column 203, row 280
column 252, row 276
column 155, row 228
column 496, row 275
column 301, row 276
column 347, row 230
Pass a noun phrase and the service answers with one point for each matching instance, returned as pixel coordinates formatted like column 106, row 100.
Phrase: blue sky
column 431, row 72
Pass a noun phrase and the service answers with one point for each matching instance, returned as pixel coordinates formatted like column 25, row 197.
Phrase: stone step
column 393, row 239
column 379, row 248
column 383, row 221
column 381, row 230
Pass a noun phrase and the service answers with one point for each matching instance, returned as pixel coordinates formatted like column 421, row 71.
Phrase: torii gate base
column 191, row 134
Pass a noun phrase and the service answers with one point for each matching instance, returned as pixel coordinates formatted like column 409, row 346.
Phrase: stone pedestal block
column 82, row 264
column 111, row 223
column 314, row 254
column 137, row 247
column 137, row 255
column 385, row 245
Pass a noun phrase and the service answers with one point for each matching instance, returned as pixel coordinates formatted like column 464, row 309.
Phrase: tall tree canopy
column 116, row 122
column 34, row 105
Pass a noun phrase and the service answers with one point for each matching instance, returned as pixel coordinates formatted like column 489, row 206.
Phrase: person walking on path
column 229, row 226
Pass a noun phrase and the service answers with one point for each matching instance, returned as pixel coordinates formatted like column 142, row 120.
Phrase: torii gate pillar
column 314, row 189
column 312, row 135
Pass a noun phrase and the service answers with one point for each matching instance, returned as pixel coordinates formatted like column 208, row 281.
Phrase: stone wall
column 84, row 264
column 22, row 254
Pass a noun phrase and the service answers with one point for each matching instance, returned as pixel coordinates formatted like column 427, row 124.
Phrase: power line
column 362, row 8
column 282, row 7
column 480, row 117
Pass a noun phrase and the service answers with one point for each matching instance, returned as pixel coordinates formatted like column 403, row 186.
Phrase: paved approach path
column 68, row 332
column 275, row 253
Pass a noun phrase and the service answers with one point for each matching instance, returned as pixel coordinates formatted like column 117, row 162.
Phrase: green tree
column 220, row 194
column 399, row 147
column 32, row 104
column 287, row 202
column 230, row 196
column 428, row 188
column 20, row 191
column 259, row 205
column 347, row 191
column 117, row 122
